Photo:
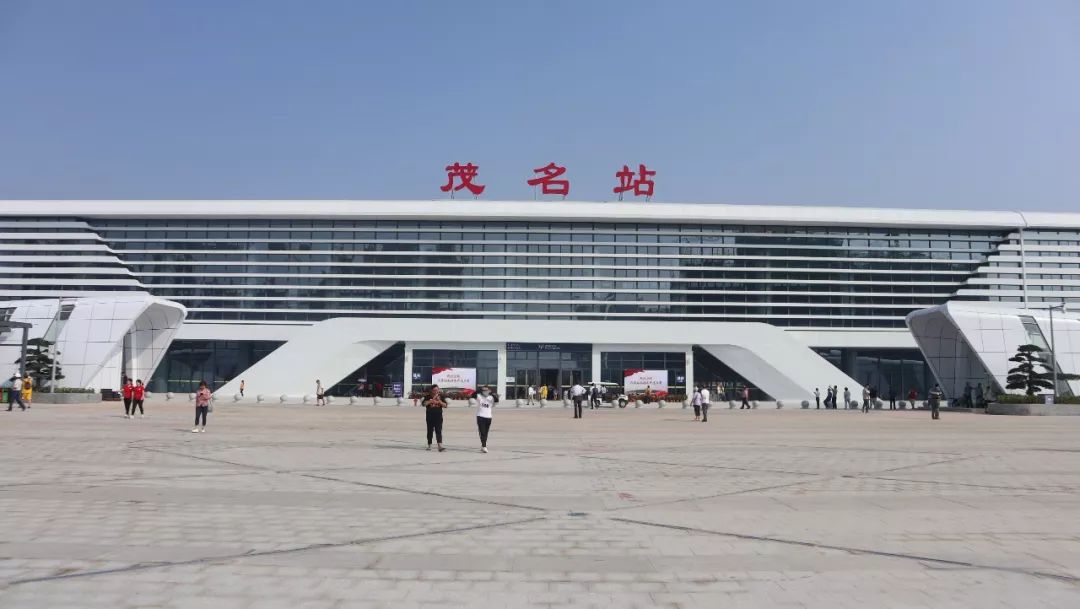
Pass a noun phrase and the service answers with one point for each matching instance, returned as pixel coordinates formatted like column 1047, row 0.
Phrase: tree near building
column 39, row 361
column 1027, row 376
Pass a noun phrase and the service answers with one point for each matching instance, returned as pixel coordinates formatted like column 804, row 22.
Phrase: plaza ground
column 342, row 507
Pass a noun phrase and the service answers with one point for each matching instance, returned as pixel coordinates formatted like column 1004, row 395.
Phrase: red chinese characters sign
column 551, row 181
column 639, row 182
column 547, row 182
column 464, row 175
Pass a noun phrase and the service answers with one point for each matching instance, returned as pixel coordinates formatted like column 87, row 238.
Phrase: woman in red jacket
column 137, row 395
column 128, row 392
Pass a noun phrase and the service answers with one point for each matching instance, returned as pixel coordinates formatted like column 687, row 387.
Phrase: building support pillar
column 500, row 388
column 596, row 359
column 406, row 386
column 689, row 372
column 849, row 359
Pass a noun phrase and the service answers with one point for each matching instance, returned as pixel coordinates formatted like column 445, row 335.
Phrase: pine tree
column 1027, row 376
column 39, row 361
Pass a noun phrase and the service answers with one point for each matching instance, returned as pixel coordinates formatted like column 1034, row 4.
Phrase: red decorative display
column 547, row 182
column 464, row 174
column 639, row 182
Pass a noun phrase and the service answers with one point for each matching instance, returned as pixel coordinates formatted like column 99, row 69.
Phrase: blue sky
column 954, row 104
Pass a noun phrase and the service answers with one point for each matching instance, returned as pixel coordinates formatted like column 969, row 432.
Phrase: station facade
column 625, row 285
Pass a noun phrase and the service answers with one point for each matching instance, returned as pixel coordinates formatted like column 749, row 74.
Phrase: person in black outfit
column 892, row 399
column 434, row 404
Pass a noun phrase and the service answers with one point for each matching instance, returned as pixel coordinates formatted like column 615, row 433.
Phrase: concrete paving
column 279, row 506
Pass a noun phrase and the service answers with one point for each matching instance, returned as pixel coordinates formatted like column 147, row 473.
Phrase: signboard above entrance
column 640, row 380
column 454, row 378
column 548, row 347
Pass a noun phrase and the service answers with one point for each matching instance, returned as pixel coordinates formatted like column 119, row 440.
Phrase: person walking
column 530, row 393
column 577, row 393
column 241, row 387
column 15, row 393
column 28, row 390
column 847, row 398
column 594, row 398
column 543, row 392
column 935, row 402
column 912, row 397
column 128, row 392
column 138, row 392
column 745, row 398
column 433, row 405
column 967, row 395
column 828, row 397
column 865, row 399
column 320, row 395
column 484, row 403
column 705, row 397
column 696, row 403
column 892, row 399
column 980, row 396
column 203, row 398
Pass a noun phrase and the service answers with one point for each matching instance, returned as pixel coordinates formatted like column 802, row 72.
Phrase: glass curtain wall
column 215, row 361
column 486, row 363
column 614, row 363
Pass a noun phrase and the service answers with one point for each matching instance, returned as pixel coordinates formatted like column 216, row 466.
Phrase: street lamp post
column 55, row 354
column 1053, row 352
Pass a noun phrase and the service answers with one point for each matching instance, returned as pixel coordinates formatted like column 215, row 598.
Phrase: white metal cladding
column 305, row 261
column 971, row 343
column 42, row 258
column 90, row 337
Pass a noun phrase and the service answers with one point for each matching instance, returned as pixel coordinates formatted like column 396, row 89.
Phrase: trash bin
column 4, row 396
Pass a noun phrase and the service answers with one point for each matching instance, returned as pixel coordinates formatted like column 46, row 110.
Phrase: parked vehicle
column 612, row 394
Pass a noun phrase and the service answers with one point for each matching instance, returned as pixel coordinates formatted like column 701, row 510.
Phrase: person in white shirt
column 530, row 394
column 485, row 401
column 696, row 402
column 577, row 393
column 705, row 404
column 320, row 395
column 817, row 398
column 15, row 393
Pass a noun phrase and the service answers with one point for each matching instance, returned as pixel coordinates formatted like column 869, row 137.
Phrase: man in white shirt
column 705, row 397
column 577, row 393
column 15, row 393
column 530, row 394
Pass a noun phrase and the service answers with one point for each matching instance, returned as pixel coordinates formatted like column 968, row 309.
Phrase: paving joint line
column 903, row 467
column 986, row 486
column 704, row 465
column 858, row 551
column 427, row 493
column 716, row 496
column 255, row 554
column 93, row 483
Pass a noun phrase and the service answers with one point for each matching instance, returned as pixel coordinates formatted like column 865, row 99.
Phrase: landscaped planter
column 45, row 397
column 1036, row 410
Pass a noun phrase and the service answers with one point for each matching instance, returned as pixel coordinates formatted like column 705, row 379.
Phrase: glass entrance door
column 523, row 379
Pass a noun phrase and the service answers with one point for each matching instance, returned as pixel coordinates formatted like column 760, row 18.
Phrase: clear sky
column 957, row 104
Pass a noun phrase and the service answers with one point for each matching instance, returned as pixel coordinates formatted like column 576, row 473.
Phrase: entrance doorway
column 555, row 366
